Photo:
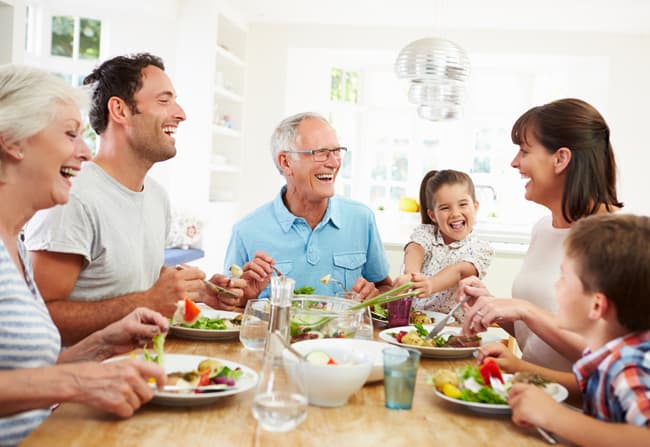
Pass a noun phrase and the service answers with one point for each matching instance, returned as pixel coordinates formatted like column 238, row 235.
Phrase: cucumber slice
column 318, row 358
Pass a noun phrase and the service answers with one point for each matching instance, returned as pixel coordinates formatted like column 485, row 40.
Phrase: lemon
column 408, row 204
column 450, row 390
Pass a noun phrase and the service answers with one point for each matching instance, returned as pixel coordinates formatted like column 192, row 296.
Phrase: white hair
column 30, row 99
column 285, row 136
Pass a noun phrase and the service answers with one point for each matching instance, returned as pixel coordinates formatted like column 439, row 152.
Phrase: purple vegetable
column 225, row 380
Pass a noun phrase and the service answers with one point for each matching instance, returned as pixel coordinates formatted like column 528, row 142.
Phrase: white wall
column 629, row 91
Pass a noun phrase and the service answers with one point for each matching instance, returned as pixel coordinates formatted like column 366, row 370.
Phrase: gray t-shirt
column 120, row 233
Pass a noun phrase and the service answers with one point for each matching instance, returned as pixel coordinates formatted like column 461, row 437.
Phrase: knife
column 441, row 324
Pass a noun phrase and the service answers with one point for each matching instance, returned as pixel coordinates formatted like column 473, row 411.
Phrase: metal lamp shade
column 437, row 69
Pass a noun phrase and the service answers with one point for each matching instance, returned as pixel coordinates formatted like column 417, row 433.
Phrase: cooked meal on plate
column 416, row 337
column 208, row 372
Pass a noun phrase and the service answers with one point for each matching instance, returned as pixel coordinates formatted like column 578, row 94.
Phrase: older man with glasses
column 307, row 232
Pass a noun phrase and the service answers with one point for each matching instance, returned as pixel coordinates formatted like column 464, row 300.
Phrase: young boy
column 604, row 295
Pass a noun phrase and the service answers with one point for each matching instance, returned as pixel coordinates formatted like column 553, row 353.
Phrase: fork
column 441, row 324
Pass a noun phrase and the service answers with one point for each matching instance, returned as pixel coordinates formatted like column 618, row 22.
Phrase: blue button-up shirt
column 345, row 244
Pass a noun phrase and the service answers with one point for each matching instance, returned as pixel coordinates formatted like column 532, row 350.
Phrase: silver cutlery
column 441, row 324
column 200, row 389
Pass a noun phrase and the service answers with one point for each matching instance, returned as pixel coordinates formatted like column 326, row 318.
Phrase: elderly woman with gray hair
column 41, row 150
column 307, row 231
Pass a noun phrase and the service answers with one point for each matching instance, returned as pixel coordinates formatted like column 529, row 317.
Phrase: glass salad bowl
column 320, row 316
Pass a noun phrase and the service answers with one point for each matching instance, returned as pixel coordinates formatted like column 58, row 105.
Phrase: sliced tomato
column 331, row 361
column 488, row 369
column 204, row 378
column 192, row 311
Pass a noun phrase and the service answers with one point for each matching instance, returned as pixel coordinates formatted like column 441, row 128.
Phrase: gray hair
column 29, row 100
column 285, row 136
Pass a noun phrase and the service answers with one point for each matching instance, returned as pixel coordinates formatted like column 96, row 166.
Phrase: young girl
column 442, row 250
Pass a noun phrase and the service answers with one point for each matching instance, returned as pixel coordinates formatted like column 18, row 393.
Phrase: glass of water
column 280, row 401
column 400, row 371
column 255, row 324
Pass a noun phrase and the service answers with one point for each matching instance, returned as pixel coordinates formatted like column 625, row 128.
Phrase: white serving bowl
column 331, row 385
column 371, row 348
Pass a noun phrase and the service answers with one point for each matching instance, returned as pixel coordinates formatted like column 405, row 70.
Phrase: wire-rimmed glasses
column 322, row 154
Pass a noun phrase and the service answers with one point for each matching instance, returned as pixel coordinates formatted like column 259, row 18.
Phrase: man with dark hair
column 101, row 255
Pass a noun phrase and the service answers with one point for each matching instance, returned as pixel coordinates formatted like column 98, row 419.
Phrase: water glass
column 280, row 402
column 400, row 371
column 399, row 312
column 255, row 324
column 364, row 331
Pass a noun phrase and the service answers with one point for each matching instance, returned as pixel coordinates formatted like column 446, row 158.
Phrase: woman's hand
column 119, row 387
column 487, row 310
column 131, row 332
column 472, row 287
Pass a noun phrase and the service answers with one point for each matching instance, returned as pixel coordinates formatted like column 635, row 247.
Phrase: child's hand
column 422, row 284
column 531, row 405
column 503, row 357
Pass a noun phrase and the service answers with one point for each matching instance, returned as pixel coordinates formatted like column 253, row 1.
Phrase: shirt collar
column 590, row 361
column 438, row 239
column 286, row 218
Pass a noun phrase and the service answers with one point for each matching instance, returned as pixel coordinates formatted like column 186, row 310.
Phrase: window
column 67, row 45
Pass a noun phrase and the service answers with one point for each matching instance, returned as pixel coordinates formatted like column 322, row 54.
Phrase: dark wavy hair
column 120, row 76
column 612, row 257
column 433, row 181
column 591, row 174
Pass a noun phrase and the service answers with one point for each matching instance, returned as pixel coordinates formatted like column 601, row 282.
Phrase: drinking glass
column 399, row 312
column 280, row 401
column 255, row 324
column 400, row 370
column 364, row 331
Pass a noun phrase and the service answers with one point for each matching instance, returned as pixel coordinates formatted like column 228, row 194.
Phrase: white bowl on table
column 373, row 349
column 331, row 385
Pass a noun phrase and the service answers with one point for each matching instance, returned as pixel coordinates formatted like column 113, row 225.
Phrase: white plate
column 373, row 349
column 435, row 316
column 207, row 334
column 557, row 392
column 183, row 362
column 491, row 335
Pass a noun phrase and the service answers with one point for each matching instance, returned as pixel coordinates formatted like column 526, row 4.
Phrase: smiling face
column 453, row 211
column 312, row 181
column 151, row 130
column 573, row 302
column 54, row 155
column 536, row 164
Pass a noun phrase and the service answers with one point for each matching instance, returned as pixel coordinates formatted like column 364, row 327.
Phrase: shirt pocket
column 349, row 266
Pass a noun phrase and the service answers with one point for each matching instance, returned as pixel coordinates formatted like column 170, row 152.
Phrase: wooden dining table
column 364, row 421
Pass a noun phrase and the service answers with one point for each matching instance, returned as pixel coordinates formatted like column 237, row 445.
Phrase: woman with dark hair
column 566, row 155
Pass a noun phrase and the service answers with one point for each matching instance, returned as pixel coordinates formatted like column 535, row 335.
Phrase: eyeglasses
column 323, row 154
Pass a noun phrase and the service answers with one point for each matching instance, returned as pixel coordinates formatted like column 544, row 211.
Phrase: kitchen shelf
column 227, row 55
column 227, row 94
